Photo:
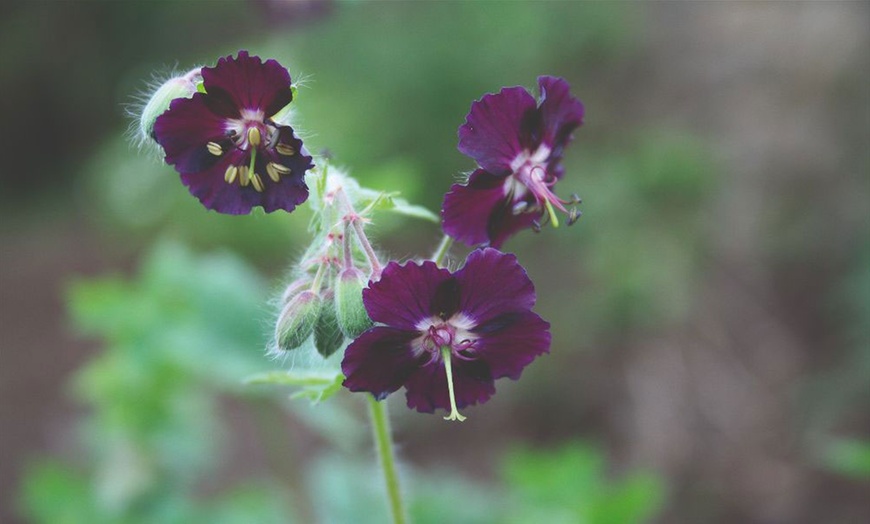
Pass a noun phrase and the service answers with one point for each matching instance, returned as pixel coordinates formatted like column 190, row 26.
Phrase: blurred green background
column 710, row 311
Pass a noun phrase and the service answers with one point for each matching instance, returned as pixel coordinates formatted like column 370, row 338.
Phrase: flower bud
column 297, row 320
column 327, row 336
column 349, row 307
column 294, row 288
column 178, row 87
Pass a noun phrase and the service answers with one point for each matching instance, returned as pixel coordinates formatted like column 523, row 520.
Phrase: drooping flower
column 446, row 337
column 518, row 145
column 230, row 152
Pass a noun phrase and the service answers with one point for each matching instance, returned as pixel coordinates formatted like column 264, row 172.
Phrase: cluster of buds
column 325, row 299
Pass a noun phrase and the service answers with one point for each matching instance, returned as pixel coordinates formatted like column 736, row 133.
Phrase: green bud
column 351, row 313
column 178, row 87
column 327, row 337
column 297, row 320
column 294, row 288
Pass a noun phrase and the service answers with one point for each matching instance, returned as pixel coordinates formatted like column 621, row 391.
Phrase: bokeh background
column 710, row 311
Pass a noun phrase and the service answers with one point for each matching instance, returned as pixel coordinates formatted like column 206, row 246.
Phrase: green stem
column 442, row 249
column 356, row 223
column 384, row 443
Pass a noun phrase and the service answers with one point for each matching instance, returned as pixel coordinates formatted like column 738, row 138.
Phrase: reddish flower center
column 530, row 175
column 452, row 334
column 445, row 340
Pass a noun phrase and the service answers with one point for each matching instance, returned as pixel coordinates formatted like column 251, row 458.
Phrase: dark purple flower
column 231, row 155
column 518, row 144
column 446, row 336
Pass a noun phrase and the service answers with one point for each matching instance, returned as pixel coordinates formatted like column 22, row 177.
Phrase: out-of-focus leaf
column 850, row 458
column 569, row 486
column 314, row 385
column 55, row 494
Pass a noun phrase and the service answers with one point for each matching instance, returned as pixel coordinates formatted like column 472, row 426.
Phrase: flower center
column 530, row 174
column 446, row 340
column 252, row 133
column 453, row 334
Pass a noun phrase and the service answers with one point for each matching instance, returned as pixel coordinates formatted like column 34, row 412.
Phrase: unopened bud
column 349, row 307
column 327, row 336
column 179, row 87
column 297, row 320
column 293, row 289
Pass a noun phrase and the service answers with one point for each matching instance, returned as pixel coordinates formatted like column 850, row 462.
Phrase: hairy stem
column 356, row 223
column 442, row 249
column 384, row 443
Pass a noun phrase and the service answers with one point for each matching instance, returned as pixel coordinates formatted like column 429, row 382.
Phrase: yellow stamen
column 257, row 182
column 214, row 148
column 254, row 136
column 552, row 213
column 231, row 174
column 284, row 170
column 270, row 170
column 448, row 367
column 244, row 179
column 284, row 149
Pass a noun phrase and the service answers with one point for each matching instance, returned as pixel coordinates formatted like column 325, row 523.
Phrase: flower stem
column 442, row 249
column 356, row 223
column 384, row 443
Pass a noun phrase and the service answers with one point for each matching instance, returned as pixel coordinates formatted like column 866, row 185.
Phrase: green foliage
column 315, row 385
column 569, row 486
column 849, row 457
column 184, row 330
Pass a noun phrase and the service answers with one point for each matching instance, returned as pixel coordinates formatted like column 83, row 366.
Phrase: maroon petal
column 290, row 190
column 184, row 130
column 216, row 194
column 492, row 133
column 504, row 223
column 510, row 342
column 467, row 208
column 246, row 82
column 407, row 294
column 492, row 284
column 379, row 361
column 560, row 112
column 426, row 388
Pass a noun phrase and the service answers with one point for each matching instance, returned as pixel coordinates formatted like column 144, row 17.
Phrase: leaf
column 849, row 457
column 403, row 207
column 316, row 386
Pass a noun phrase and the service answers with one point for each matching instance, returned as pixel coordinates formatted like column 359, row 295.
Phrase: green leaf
column 55, row 494
column 316, row 386
column 849, row 457
column 569, row 485
column 403, row 207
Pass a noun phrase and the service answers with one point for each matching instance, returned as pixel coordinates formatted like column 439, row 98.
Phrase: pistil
column 448, row 367
column 550, row 211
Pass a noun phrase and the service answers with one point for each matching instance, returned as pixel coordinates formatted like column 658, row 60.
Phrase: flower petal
column 426, row 388
column 510, row 342
column 492, row 284
column 560, row 112
column 216, row 194
column 480, row 211
column 249, row 83
column 503, row 223
column 379, row 361
column 290, row 190
column 407, row 294
column 467, row 208
column 493, row 133
column 184, row 130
